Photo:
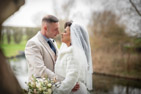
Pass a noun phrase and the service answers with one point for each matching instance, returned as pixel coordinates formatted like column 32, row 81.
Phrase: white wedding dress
column 74, row 63
column 72, row 70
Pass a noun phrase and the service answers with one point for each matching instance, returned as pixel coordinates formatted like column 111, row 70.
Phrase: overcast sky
column 36, row 9
column 31, row 13
column 24, row 16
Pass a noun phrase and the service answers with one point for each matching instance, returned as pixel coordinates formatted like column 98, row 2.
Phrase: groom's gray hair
column 50, row 19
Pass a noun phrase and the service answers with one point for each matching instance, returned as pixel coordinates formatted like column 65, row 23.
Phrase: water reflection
column 111, row 85
column 19, row 67
column 102, row 84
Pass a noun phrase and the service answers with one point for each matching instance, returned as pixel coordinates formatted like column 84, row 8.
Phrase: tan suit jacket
column 40, row 57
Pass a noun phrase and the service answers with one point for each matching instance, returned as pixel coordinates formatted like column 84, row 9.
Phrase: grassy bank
column 13, row 49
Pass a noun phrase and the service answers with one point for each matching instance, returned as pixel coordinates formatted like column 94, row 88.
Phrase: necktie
column 51, row 46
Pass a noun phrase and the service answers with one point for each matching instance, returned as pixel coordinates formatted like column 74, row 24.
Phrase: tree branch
column 138, row 12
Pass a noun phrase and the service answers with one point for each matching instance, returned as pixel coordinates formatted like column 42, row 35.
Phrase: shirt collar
column 47, row 39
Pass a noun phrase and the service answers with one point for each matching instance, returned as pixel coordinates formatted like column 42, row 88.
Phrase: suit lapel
column 46, row 45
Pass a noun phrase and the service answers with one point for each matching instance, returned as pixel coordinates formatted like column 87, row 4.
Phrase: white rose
column 49, row 91
column 49, row 85
column 33, row 84
column 38, row 85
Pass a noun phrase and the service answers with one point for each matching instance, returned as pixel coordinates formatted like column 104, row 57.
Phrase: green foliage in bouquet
column 39, row 86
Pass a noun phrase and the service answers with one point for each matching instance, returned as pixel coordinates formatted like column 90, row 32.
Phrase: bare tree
column 55, row 7
column 17, row 34
column 135, row 6
column 8, row 34
column 108, row 31
column 64, row 9
column 129, row 12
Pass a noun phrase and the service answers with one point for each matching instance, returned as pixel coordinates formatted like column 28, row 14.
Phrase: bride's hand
column 76, row 87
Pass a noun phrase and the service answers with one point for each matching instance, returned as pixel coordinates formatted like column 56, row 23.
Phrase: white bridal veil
column 80, row 40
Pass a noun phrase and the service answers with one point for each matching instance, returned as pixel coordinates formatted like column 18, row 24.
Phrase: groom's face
column 52, row 30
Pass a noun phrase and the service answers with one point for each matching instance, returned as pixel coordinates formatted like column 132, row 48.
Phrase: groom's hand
column 76, row 87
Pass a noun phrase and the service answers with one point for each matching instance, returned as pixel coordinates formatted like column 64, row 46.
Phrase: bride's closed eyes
column 67, row 29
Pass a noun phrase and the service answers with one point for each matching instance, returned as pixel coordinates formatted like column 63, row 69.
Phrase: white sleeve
column 72, row 74
column 35, row 61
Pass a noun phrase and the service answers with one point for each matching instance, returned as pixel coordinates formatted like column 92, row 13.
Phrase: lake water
column 101, row 84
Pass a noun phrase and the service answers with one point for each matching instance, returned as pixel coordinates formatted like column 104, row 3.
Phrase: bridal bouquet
column 40, row 86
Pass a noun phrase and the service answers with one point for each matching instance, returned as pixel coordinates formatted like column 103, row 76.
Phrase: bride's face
column 66, row 35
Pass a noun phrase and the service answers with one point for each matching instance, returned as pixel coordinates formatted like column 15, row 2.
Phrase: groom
column 41, row 50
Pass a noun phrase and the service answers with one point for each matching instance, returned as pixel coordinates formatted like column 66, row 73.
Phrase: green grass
column 13, row 49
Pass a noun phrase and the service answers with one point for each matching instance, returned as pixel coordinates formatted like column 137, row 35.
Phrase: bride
column 74, row 61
